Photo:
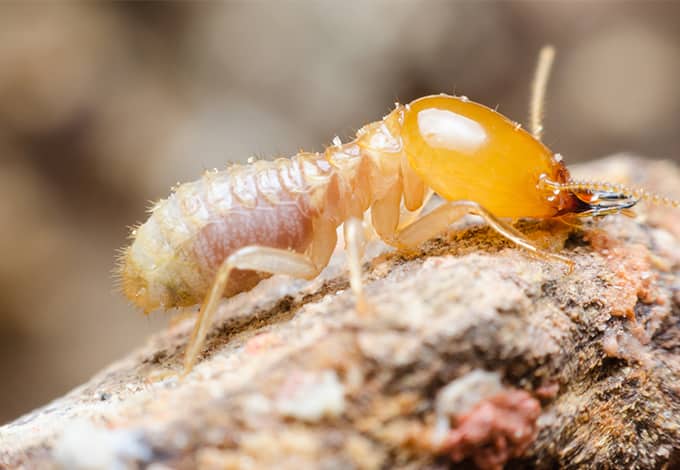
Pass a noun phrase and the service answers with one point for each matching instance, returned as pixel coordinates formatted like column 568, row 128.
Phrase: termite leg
column 258, row 258
column 413, row 186
column 408, row 217
column 435, row 222
column 355, row 243
column 385, row 212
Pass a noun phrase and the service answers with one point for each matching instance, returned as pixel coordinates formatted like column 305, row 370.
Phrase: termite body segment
column 222, row 234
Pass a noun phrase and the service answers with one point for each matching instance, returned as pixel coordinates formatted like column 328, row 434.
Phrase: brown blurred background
column 103, row 107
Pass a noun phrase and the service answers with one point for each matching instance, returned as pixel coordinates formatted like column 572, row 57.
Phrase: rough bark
column 581, row 369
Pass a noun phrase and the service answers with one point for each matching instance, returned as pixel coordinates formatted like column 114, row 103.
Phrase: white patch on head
column 451, row 131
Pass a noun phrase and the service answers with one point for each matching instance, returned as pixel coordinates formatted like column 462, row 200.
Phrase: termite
column 222, row 234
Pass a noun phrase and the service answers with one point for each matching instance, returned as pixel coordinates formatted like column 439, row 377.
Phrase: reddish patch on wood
column 634, row 278
column 495, row 430
column 547, row 391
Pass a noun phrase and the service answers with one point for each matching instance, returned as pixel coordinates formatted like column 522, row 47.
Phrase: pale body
column 289, row 204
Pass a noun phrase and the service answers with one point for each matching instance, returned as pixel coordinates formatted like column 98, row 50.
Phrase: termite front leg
column 257, row 258
column 440, row 218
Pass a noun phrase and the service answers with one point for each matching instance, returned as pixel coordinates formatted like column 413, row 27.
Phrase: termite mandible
column 222, row 234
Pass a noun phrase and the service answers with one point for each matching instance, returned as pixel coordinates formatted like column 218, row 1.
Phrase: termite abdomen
column 175, row 254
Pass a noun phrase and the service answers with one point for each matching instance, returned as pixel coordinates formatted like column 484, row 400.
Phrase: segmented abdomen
column 174, row 256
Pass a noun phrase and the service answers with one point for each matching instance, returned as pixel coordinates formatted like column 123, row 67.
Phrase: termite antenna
column 608, row 197
column 541, row 76
column 621, row 190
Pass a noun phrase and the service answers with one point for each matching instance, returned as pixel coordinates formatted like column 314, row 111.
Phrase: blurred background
column 105, row 106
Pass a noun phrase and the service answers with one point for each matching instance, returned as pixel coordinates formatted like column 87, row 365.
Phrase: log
column 474, row 353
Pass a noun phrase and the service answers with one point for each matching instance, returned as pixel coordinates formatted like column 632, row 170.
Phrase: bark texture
column 475, row 353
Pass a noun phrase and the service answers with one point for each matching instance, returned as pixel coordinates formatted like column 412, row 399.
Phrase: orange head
column 466, row 151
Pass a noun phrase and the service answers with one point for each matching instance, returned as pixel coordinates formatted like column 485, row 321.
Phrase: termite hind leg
column 355, row 244
column 436, row 222
column 257, row 258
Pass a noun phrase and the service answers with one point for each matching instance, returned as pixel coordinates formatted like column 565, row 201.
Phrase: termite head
column 466, row 151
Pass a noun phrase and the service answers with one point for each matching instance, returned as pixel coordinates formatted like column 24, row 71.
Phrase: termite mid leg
column 355, row 244
column 436, row 222
column 257, row 258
